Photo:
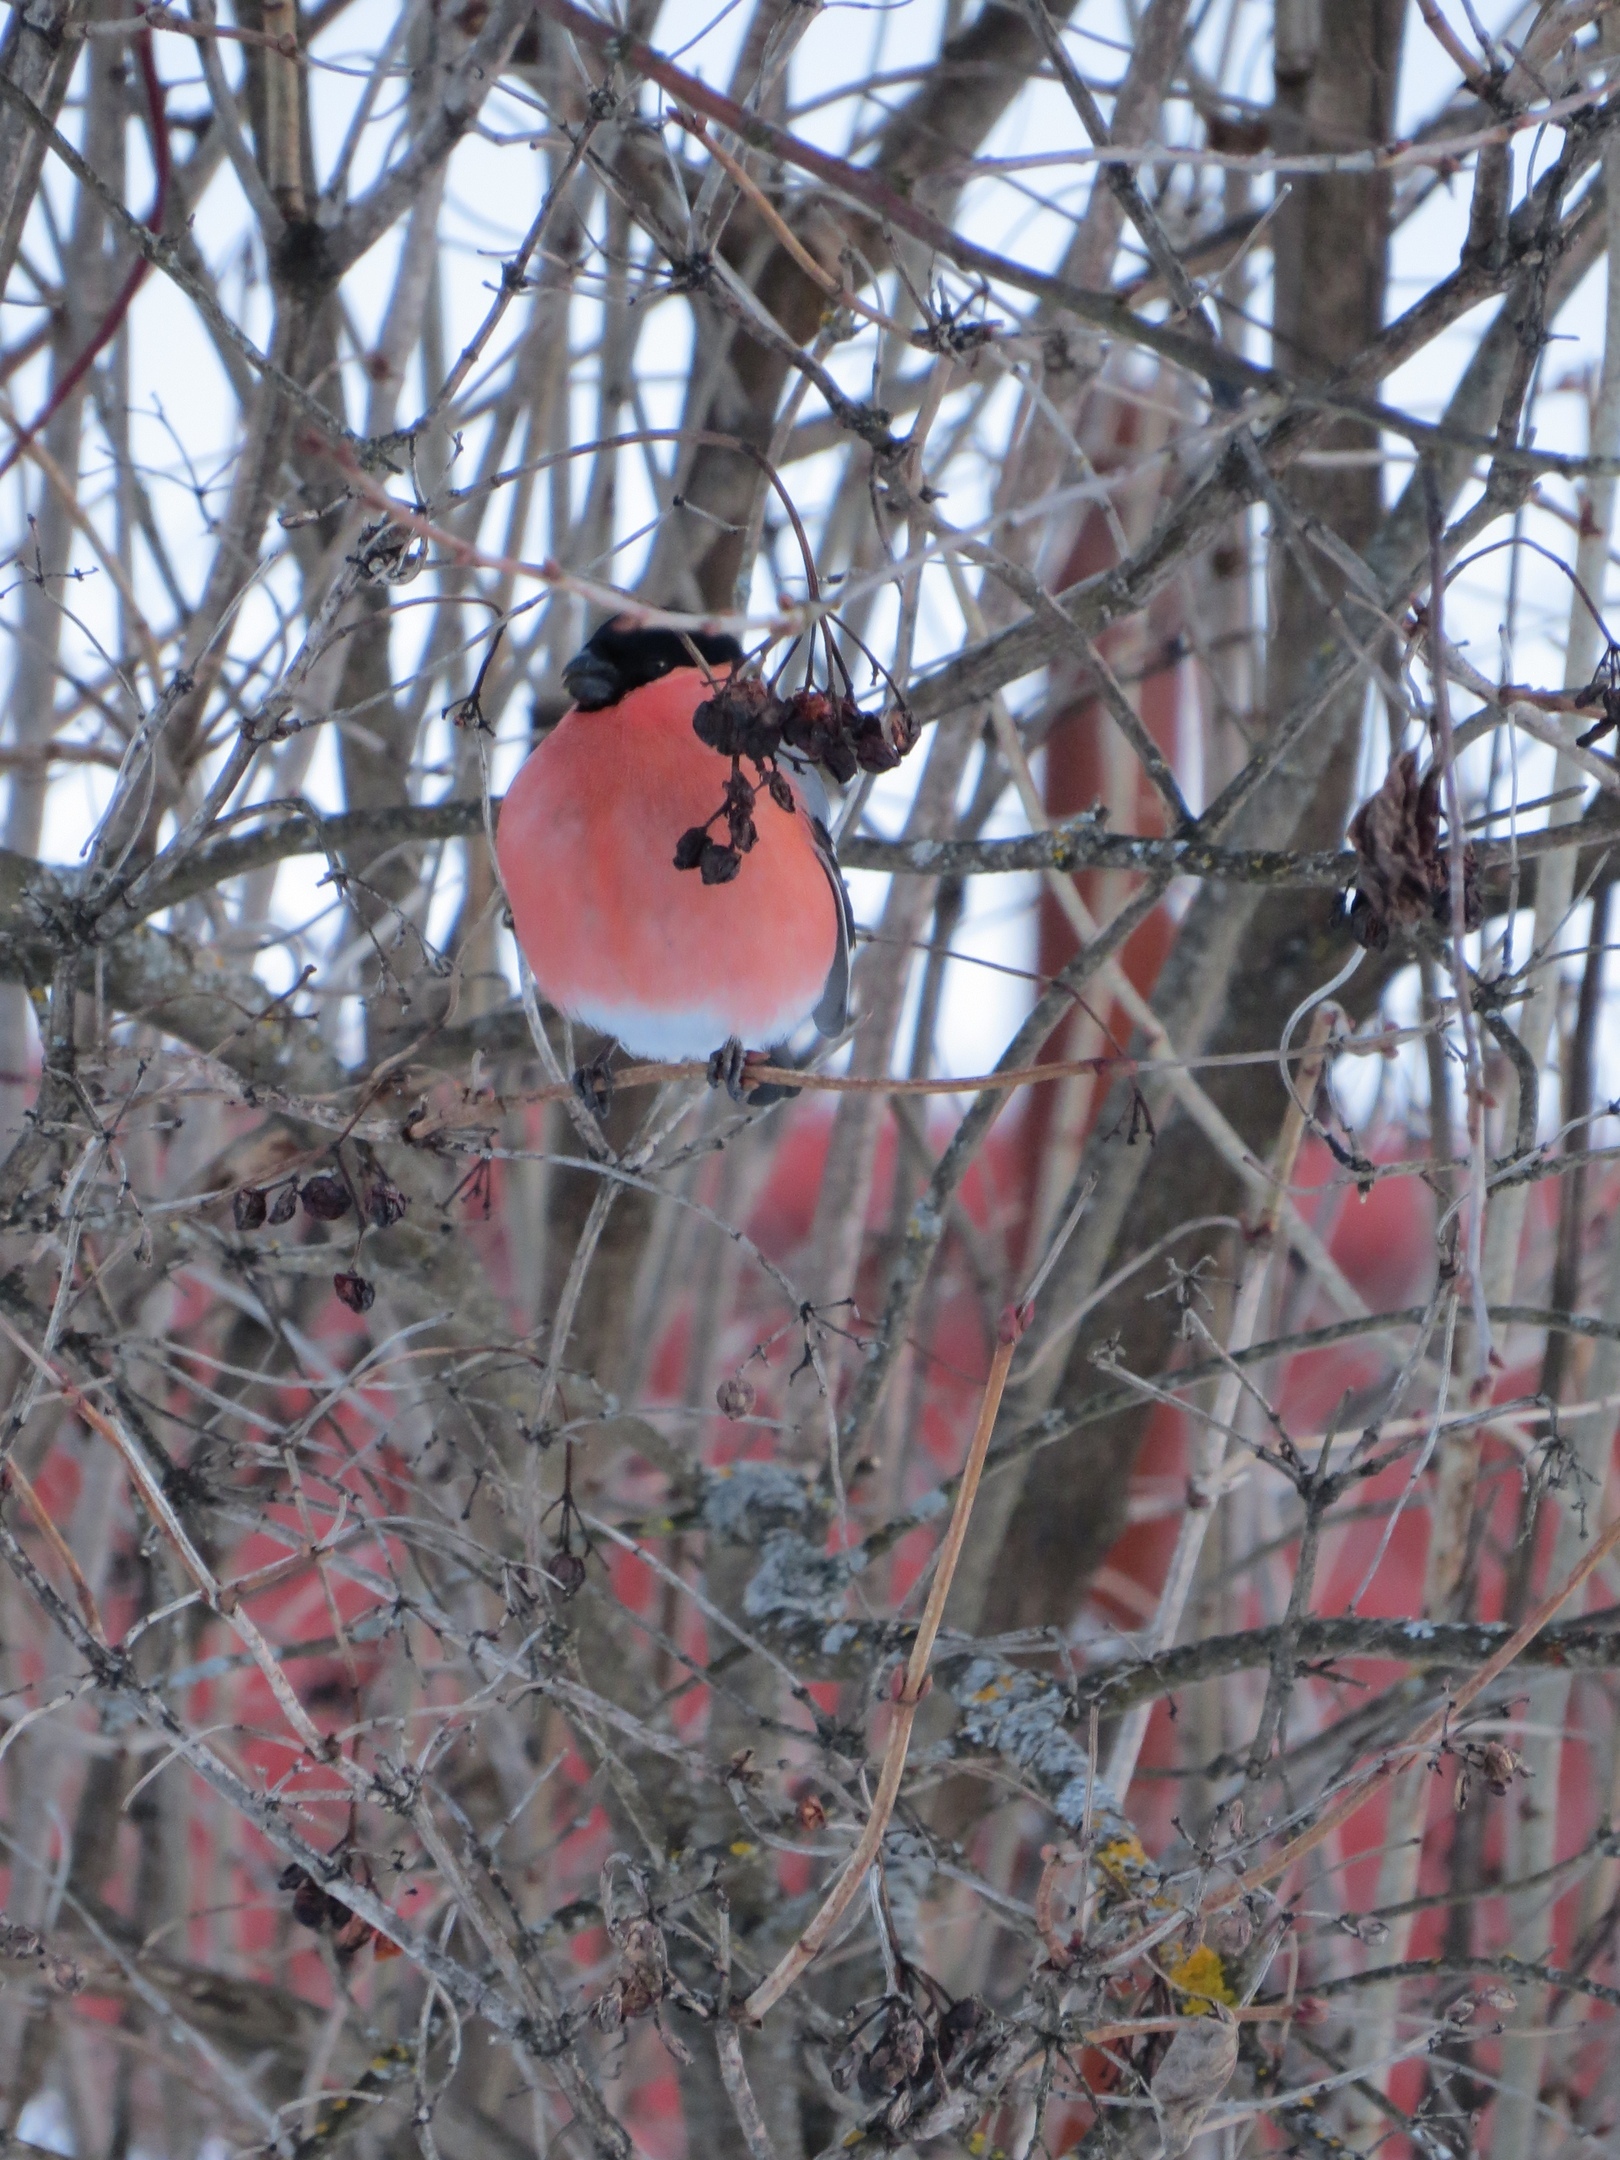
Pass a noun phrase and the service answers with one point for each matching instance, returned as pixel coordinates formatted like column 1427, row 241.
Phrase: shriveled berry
column 689, row 847
column 355, row 1291
column 960, row 2026
column 808, row 709
column 812, row 1814
column 735, row 1396
column 1500, row 1765
column 385, row 1204
column 719, row 864
column 743, row 719
column 567, row 1571
column 896, row 2055
column 840, row 760
column 285, row 1204
column 249, row 1208
column 874, row 752
column 326, row 1197
column 821, row 730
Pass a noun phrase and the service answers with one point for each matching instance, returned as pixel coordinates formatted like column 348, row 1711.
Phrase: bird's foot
column 728, row 1068
column 593, row 1083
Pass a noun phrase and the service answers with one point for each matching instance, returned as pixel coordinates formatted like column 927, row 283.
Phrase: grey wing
column 832, row 1009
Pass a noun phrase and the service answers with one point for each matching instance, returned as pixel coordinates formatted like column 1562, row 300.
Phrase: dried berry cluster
column 326, row 1197
column 645, row 1979
column 566, row 1568
column 746, row 719
column 26, row 1946
column 1403, row 874
column 1493, row 1760
column 905, row 2049
column 642, row 1979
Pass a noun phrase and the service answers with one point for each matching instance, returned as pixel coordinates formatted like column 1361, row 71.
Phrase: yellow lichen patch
column 989, row 1694
column 1201, row 1978
column 1123, row 1860
column 742, row 1847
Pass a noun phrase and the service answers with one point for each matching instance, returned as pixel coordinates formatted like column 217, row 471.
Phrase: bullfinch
column 674, row 964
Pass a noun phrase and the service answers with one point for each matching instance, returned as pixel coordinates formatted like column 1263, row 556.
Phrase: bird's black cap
column 622, row 656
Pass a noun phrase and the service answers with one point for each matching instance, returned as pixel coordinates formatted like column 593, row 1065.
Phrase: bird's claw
column 593, row 1083
column 728, row 1068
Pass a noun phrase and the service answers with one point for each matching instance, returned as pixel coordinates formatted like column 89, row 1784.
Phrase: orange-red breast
column 616, row 935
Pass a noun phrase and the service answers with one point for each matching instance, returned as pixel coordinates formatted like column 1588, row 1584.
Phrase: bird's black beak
column 592, row 681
